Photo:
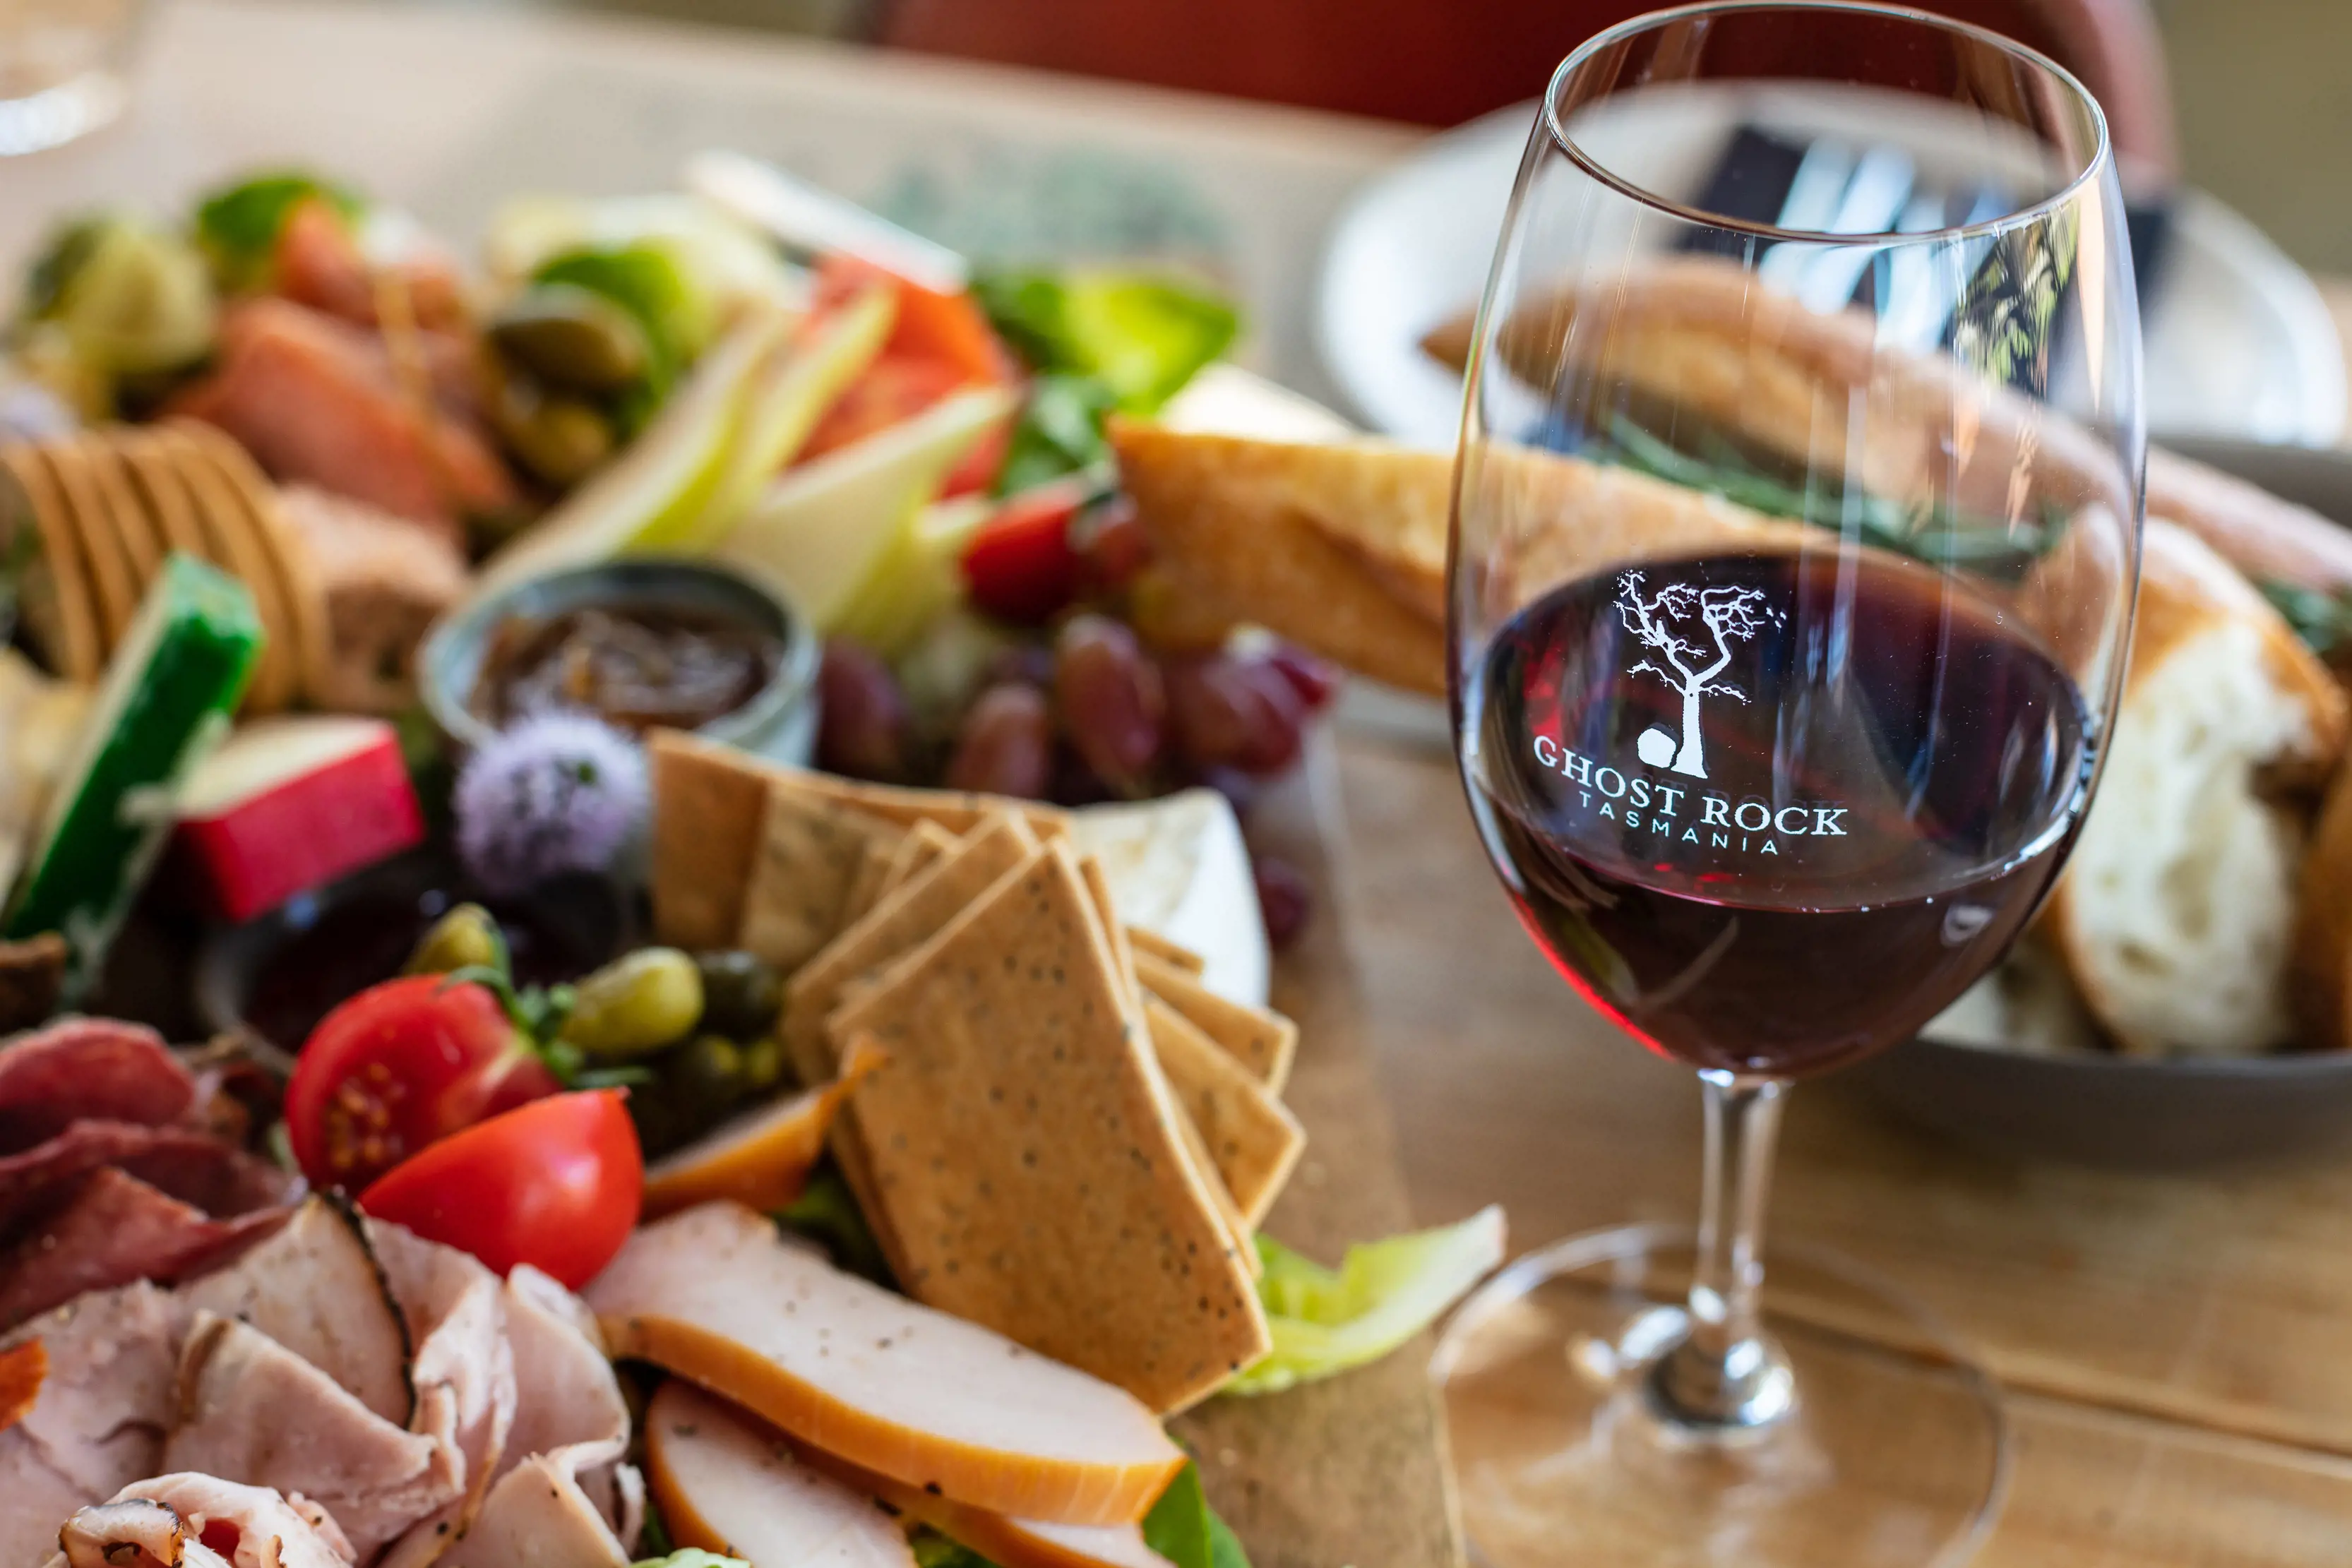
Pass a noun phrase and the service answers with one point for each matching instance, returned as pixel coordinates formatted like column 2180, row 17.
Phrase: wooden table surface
column 2178, row 1350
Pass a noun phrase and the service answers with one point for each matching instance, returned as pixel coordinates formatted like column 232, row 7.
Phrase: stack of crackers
column 94, row 515
column 1060, row 1132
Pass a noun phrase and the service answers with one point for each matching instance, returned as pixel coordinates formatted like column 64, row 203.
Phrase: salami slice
column 86, row 1069
column 179, row 1162
column 115, row 1229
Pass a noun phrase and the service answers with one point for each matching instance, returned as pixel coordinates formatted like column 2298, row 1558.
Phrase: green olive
column 465, row 938
column 707, row 1074
column 570, row 338
column 742, row 994
column 638, row 1003
column 560, row 439
column 765, row 1067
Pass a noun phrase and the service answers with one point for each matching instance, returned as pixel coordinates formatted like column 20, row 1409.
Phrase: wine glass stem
column 1726, row 1374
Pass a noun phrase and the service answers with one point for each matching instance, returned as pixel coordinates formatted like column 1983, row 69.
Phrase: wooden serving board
column 1349, row 1472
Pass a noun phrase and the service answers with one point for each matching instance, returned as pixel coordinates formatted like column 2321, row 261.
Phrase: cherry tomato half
column 556, row 1184
column 1021, row 566
column 398, row 1067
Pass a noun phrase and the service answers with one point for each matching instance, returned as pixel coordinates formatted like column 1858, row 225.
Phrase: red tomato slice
column 949, row 329
column 556, row 1184
column 398, row 1067
column 1021, row 566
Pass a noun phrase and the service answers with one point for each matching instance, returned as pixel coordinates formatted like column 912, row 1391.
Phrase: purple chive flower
column 554, row 793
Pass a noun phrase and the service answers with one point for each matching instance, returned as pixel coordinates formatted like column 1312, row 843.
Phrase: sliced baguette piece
column 2174, row 916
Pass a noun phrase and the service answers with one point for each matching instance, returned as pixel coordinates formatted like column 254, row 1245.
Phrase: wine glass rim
column 2101, row 158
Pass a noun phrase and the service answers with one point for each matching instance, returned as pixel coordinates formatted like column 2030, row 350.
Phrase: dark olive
column 742, row 994
column 707, row 1073
column 567, row 337
column 766, row 1069
column 560, row 439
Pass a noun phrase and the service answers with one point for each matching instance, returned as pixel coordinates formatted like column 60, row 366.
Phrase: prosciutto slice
column 97, row 1422
column 79, row 1070
column 115, row 1229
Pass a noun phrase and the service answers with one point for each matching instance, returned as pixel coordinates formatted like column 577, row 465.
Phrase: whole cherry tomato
column 556, row 1183
column 400, row 1066
column 1022, row 565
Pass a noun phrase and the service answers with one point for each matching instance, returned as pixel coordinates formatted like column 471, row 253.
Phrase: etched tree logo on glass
column 1663, row 624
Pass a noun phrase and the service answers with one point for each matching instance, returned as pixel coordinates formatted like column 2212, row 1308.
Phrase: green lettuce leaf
column 1060, row 431
column 826, row 1212
column 237, row 225
column 1183, row 1527
column 1326, row 1321
column 933, row 1550
column 1141, row 335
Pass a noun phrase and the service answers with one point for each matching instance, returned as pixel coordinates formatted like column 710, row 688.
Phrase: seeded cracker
column 709, row 802
column 1252, row 1139
column 1027, row 1151
column 1260, row 1038
column 54, row 592
column 115, row 586
column 925, row 843
column 1174, row 955
column 810, row 850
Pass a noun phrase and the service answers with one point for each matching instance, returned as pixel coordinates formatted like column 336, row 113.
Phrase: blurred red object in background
column 1439, row 62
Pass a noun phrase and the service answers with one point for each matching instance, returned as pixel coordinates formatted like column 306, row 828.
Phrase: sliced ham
column 464, row 1373
column 316, row 1288
column 314, row 399
column 538, row 1517
column 565, row 1392
column 179, row 1162
column 247, row 1409
column 319, row 263
column 114, row 1229
column 98, row 1423
column 87, row 1070
column 162, row 1519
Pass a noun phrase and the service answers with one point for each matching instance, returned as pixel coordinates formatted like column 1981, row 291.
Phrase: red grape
column 1315, row 681
column 1006, row 744
column 1238, row 713
column 1113, row 544
column 862, row 722
column 1283, row 899
column 1110, row 699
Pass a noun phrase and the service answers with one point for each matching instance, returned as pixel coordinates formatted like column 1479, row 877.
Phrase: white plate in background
column 2239, row 343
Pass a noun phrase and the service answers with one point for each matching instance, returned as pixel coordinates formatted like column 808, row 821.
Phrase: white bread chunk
column 2176, row 914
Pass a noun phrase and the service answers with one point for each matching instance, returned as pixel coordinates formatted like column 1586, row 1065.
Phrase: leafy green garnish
column 2321, row 617
column 693, row 1557
column 238, row 227
column 1326, row 1321
column 1990, row 546
column 826, row 1212
column 1143, row 337
column 1183, row 1527
column 1060, row 431
column 933, row 1550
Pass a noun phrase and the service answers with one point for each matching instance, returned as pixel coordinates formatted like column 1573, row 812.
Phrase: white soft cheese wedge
column 1178, row 868
column 1226, row 400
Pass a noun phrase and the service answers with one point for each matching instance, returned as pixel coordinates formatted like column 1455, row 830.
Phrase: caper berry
column 638, row 1003
column 465, row 938
column 568, row 337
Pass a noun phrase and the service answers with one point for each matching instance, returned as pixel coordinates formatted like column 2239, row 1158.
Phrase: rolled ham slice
column 717, row 1296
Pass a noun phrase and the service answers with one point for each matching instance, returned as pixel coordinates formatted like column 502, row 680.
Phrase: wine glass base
column 1892, row 1452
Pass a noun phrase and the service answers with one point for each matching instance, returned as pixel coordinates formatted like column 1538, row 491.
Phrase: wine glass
column 1795, row 537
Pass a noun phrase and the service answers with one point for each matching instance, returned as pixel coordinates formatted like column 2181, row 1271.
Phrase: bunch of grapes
column 1091, row 715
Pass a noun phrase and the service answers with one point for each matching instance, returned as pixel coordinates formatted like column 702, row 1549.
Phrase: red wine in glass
column 1772, row 812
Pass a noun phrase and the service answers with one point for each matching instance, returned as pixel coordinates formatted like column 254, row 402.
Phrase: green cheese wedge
column 165, row 701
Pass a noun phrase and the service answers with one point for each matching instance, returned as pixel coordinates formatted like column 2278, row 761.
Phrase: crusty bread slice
column 2321, row 980
column 2268, row 538
column 1342, row 546
column 2174, row 916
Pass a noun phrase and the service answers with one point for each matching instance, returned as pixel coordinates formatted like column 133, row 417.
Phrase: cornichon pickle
column 568, row 337
column 465, row 938
column 742, row 994
column 639, row 1002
